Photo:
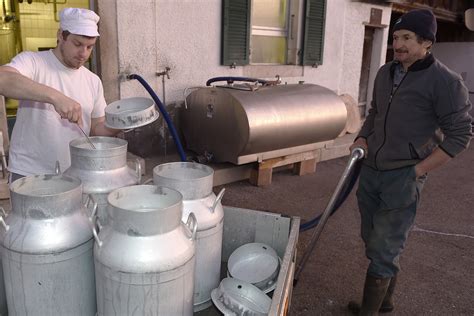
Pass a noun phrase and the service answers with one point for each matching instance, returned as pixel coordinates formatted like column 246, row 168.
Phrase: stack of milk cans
column 93, row 241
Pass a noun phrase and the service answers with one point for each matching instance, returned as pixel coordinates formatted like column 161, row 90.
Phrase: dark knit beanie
column 422, row 22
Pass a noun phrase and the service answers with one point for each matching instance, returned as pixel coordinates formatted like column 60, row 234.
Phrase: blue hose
column 165, row 114
column 340, row 199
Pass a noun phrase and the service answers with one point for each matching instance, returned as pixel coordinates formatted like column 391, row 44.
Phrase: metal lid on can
column 130, row 113
column 236, row 297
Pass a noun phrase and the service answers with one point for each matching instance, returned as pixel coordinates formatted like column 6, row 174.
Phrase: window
column 264, row 32
column 269, row 32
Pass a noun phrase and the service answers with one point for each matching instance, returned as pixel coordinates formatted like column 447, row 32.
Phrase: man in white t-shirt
column 58, row 96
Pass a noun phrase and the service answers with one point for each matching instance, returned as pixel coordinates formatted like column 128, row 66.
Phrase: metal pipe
column 164, row 73
column 356, row 155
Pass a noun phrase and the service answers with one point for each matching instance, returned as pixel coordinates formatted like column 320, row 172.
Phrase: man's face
column 407, row 49
column 76, row 49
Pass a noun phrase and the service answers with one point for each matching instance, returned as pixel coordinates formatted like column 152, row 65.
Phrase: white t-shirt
column 40, row 137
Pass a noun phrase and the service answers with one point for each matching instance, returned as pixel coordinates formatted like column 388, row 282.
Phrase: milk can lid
column 130, row 113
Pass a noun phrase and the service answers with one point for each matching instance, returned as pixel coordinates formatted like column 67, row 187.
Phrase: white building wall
column 354, row 28
column 186, row 36
column 459, row 58
column 137, row 44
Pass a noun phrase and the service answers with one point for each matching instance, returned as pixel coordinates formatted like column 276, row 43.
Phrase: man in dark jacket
column 418, row 121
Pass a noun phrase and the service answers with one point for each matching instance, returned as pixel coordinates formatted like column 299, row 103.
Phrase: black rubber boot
column 387, row 304
column 375, row 290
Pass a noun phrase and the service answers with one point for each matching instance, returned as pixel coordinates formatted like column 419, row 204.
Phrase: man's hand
column 68, row 109
column 437, row 158
column 360, row 142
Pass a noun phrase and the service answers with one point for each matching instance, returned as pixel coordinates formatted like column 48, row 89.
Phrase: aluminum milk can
column 3, row 297
column 102, row 169
column 195, row 182
column 47, row 248
column 144, row 255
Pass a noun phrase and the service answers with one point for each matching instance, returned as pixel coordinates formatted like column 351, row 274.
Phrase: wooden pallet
column 303, row 163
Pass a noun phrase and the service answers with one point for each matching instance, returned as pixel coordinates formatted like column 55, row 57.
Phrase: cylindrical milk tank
column 144, row 255
column 231, row 123
column 195, row 182
column 47, row 248
column 102, row 169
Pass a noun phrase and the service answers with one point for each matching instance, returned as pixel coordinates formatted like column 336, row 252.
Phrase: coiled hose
column 165, row 114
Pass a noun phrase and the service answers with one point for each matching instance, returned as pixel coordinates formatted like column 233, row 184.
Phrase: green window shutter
column 235, row 32
column 313, row 46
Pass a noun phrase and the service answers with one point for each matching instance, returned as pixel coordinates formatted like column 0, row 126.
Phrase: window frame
column 305, row 39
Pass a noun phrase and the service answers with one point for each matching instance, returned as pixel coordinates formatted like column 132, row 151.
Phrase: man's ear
column 427, row 44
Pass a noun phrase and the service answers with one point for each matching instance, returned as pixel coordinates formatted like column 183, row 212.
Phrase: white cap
column 79, row 21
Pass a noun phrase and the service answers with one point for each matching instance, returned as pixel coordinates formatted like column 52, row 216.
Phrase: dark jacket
column 428, row 110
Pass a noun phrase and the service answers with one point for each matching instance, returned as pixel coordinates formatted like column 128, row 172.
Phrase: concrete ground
column 437, row 274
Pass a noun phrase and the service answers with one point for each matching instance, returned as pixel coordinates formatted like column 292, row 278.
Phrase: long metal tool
column 87, row 137
column 357, row 154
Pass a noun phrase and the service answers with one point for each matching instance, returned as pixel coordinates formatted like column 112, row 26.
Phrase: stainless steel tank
column 102, row 169
column 194, row 181
column 47, row 248
column 235, row 125
column 144, row 255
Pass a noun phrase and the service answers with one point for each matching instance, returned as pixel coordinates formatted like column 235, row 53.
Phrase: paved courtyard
column 437, row 275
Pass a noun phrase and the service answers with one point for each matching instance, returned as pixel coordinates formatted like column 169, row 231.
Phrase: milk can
column 47, row 248
column 3, row 297
column 195, row 182
column 144, row 255
column 101, row 169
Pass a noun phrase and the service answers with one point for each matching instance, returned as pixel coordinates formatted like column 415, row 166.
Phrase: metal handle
column 138, row 170
column 2, row 220
column 96, row 225
column 148, row 181
column 192, row 229
column 93, row 218
column 218, row 199
column 95, row 205
column 358, row 153
column 57, row 169
column 185, row 95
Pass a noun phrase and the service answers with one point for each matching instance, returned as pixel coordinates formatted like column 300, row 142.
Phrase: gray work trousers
column 387, row 202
